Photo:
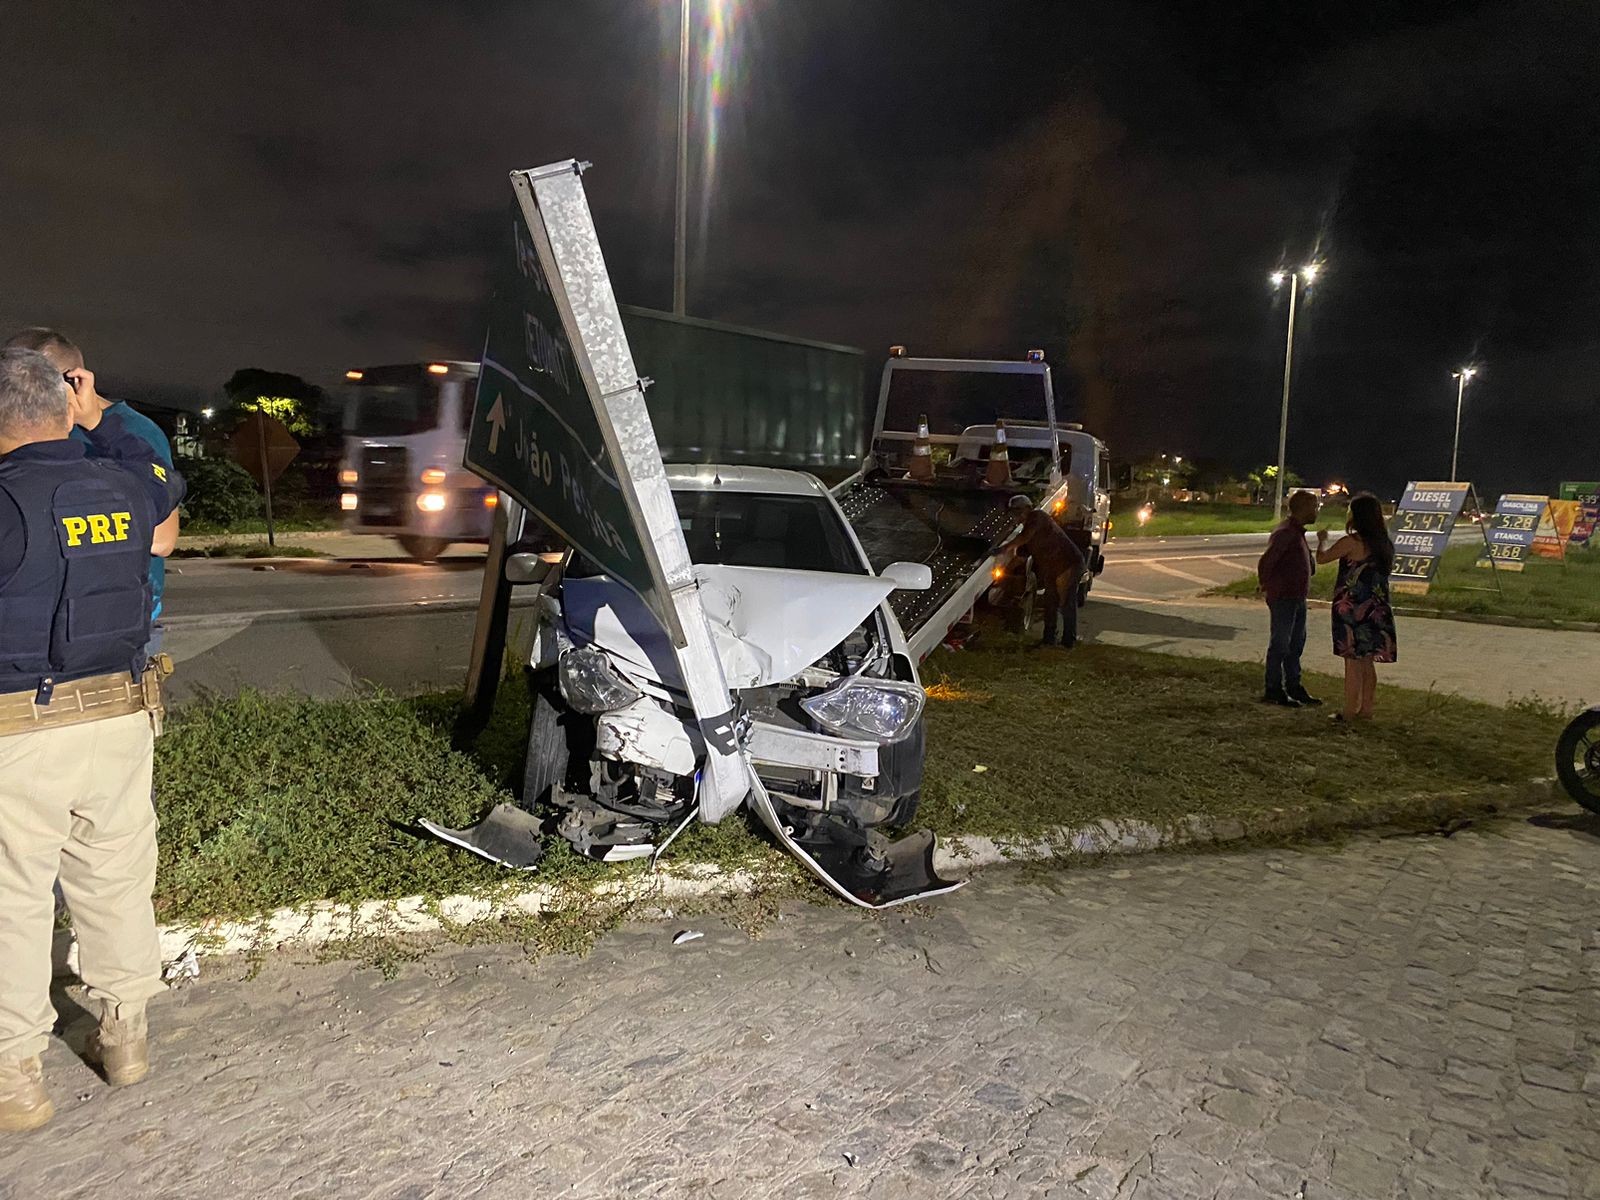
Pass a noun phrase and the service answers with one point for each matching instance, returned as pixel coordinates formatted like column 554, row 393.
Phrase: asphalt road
column 324, row 625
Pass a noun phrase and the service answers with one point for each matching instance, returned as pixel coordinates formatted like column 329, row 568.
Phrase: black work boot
column 1302, row 697
column 1279, row 697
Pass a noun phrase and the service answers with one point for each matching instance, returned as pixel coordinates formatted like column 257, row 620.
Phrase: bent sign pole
column 560, row 424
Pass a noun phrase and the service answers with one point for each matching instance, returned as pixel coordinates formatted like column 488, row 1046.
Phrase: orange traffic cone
column 999, row 474
column 922, row 452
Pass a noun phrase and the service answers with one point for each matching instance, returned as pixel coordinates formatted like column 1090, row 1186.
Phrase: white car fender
column 643, row 733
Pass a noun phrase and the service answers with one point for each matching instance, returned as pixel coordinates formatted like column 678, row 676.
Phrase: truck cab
column 401, row 475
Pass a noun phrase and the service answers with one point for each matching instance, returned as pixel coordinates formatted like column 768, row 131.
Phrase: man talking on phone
column 66, row 356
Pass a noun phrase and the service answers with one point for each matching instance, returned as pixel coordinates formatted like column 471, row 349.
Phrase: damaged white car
column 829, row 706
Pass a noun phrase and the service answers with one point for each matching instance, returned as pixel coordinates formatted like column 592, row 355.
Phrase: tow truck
column 952, row 514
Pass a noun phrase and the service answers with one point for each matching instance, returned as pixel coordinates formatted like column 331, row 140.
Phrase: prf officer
column 78, row 702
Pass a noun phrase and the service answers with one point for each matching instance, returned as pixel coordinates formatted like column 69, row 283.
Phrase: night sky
column 188, row 189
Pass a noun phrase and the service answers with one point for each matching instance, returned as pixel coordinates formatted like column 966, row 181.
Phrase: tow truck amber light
column 354, row 374
column 348, row 502
column 349, row 478
column 490, row 499
column 433, row 475
column 431, row 502
column 998, row 573
column 438, row 369
column 1058, row 506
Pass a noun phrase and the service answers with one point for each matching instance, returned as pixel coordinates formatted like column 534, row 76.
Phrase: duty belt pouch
column 156, row 670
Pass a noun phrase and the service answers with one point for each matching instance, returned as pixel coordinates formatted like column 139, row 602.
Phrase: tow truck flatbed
column 954, row 531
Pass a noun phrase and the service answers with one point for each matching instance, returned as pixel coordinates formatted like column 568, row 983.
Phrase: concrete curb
column 324, row 922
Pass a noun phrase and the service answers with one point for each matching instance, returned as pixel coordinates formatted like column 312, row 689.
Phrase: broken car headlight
column 882, row 709
column 591, row 684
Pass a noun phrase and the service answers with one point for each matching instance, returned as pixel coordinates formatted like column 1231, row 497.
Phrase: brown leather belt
column 96, row 698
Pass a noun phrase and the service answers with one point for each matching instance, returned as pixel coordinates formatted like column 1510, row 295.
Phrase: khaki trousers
column 75, row 804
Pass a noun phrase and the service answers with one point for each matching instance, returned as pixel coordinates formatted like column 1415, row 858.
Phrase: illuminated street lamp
column 1461, row 377
column 716, row 57
column 680, row 228
column 1307, row 274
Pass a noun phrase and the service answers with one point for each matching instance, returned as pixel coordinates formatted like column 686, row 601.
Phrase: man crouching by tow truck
column 79, row 700
column 1058, row 566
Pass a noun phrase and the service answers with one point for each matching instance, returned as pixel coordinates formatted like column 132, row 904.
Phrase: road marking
column 1232, row 566
column 1139, row 558
column 1177, row 574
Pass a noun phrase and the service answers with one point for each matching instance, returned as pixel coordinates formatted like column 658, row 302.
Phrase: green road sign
column 536, row 431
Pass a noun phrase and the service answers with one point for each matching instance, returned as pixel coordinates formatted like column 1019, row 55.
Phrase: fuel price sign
column 1510, row 533
column 1421, row 530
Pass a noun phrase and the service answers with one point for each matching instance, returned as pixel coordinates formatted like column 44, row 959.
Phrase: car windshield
column 753, row 529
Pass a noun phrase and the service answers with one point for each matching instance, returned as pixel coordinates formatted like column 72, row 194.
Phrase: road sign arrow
column 497, row 422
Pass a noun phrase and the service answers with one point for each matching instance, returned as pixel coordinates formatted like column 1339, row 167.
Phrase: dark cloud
column 307, row 186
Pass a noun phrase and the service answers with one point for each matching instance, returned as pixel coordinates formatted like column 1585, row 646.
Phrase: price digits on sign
column 1513, row 521
column 1412, row 564
column 1412, row 521
column 1512, row 553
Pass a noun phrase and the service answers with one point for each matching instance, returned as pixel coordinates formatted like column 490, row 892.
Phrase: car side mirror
column 908, row 576
column 527, row 568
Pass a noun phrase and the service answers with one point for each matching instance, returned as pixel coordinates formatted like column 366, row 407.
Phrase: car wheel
column 422, row 549
column 545, row 765
column 905, row 809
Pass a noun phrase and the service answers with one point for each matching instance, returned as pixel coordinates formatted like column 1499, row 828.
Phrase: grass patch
column 276, row 801
column 298, row 523
column 247, row 550
column 1069, row 739
column 1543, row 592
column 1171, row 519
column 269, row 802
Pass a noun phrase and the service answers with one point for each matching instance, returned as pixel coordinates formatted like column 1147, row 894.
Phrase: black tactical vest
column 79, row 602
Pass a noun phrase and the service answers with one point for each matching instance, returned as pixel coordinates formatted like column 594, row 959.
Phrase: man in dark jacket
column 1058, row 566
column 1285, row 576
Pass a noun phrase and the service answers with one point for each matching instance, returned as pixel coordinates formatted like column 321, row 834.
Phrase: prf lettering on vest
column 101, row 527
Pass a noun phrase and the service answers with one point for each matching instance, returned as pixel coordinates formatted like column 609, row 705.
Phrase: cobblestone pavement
column 1401, row 1017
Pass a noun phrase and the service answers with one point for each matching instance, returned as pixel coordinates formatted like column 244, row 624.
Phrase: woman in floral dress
column 1363, row 622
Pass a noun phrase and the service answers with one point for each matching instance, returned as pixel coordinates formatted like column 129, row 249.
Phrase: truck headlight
column 591, row 684
column 882, row 709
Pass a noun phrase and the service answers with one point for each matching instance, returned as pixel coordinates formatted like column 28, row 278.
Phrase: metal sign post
column 560, row 423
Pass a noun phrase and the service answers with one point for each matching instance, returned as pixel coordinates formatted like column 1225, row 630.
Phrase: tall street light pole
column 1461, row 377
column 1309, row 274
column 680, row 240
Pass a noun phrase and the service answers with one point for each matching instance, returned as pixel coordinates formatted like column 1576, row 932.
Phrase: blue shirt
column 124, row 419
column 163, row 487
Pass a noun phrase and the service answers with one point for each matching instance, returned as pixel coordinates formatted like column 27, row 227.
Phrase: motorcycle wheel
column 1578, row 759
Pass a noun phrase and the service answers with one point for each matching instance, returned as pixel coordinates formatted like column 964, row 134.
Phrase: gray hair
column 33, row 396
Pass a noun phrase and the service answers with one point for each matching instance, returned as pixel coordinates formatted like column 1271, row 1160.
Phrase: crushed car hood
column 768, row 623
